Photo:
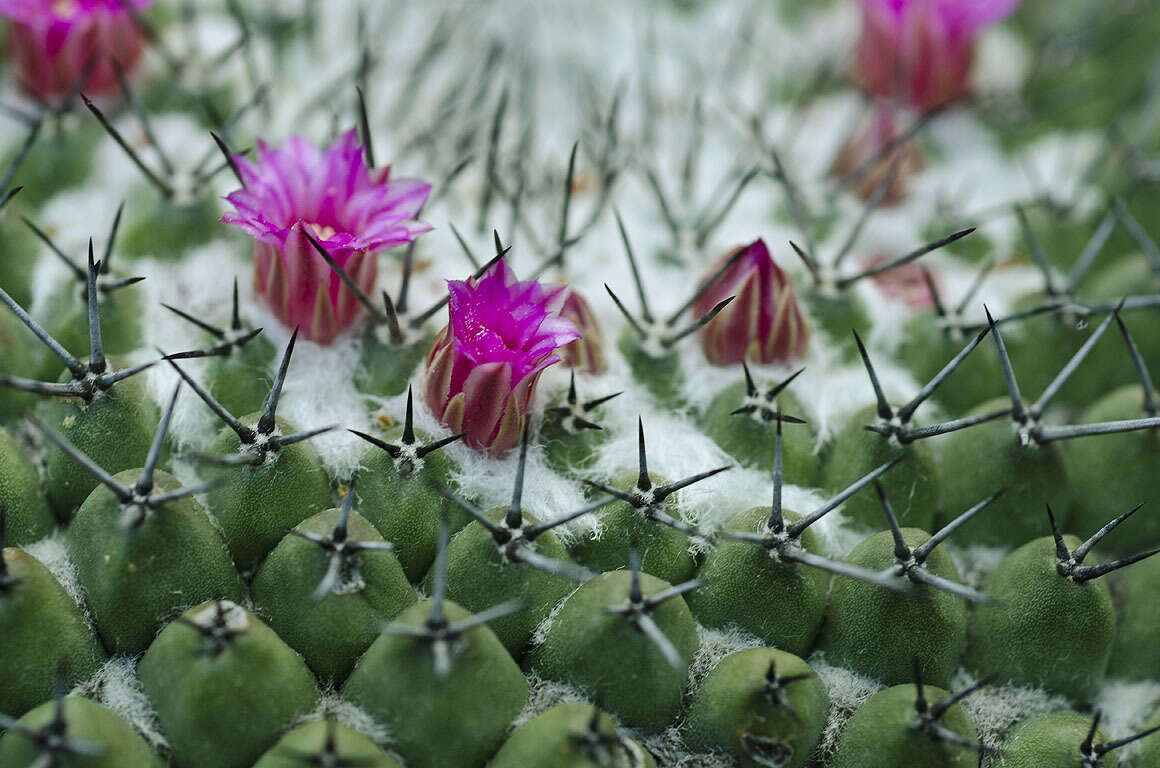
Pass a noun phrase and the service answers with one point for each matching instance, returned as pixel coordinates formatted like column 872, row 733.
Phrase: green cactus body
column 435, row 721
column 88, row 725
column 606, row 655
column 1149, row 753
column 137, row 578
column 1040, row 346
column 878, row 632
column 664, row 551
column 333, row 631
column 167, row 230
column 21, row 495
column 58, row 161
column 660, row 373
column 115, row 430
column 43, row 636
column 1134, row 654
column 385, row 369
column 257, row 505
column 224, row 691
column 558, row 738
column 741, row 709
column 926, row 347
column 1043, row 629
column 241, row 380
column 979, row 460
column 18, row 262
column 19, row 356
column 882, row 734
column 569, row 450
column 749, row 437
column 745, row 586
column 67, row 319
column 479, row 576
column 319, row 740
column 400, row 499
column 1052, row 741
column 836, row 313
column 1132, row 458
column 913, row 483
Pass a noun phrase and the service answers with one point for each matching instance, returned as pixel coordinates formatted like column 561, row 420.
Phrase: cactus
column 221, row 588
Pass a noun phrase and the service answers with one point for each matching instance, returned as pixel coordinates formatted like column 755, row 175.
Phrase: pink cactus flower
column 355, row 212
column 61, row 46
column 483, row 367
column 919, row 52
column 587, row 352
column 764, row 323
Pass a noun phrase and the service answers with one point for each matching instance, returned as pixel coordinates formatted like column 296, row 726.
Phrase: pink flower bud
column 905, row 283
column 483, row 367
column 764, row 322
column 587, row 352
column 918, row 52
column 353, row 211
column 61, row 46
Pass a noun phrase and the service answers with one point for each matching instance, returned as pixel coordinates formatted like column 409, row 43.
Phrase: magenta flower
column 60, row 46
column 587, row 352
column 764, row 323
column 918, row 52
column 483, row 367
column 353, row 211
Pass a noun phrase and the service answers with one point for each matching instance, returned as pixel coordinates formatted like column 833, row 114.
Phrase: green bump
column 21, row 494
column 224, row 686
column 438, row 718
column 328, row 587
column 888, row 730
column 761, row 706
column 749, row 587
column 325, row 743
column 571, row 735
column 601, row 641
column 1053, row 741
column 138, row 566
column 90, row 736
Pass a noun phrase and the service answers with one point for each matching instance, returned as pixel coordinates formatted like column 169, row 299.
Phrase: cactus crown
column 138, row 502
column 89, row 378
column 228, row 339
column 1093, row 754
column 514, row 536
column 638, row 608
column 408, row 453
column 573, row 415
column 910, row 562
column 440, row 633
column 1069, row 563
column 927, row 717
column 343, row 574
